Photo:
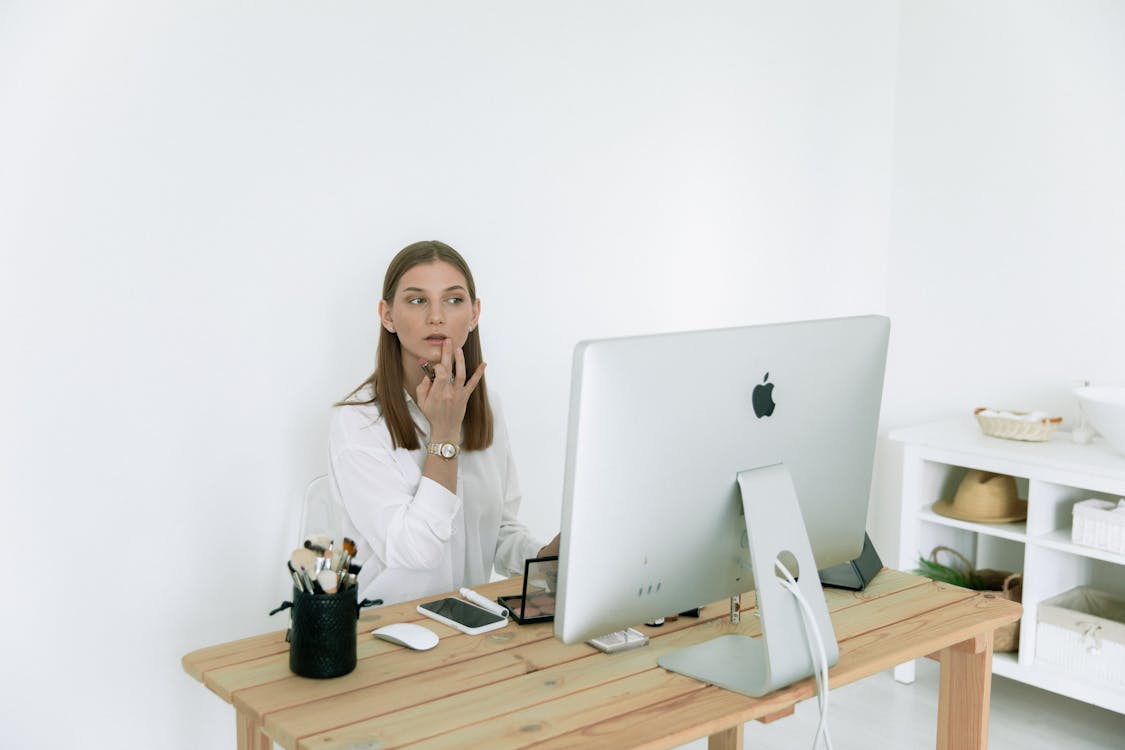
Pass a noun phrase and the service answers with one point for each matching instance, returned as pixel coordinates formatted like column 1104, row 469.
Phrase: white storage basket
column 1083, row 632
column 1099, row 523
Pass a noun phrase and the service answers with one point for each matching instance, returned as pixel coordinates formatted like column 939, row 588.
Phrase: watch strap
column 444, row 450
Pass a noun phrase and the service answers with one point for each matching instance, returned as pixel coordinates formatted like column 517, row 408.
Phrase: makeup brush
column 340, row 559
column 319, row 539
column 296, row 578
column 304, row 562
column 303, row 558
column 349, row 553
column 315, row 548
column 328, row 581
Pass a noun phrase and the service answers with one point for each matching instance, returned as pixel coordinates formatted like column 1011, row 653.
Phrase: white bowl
column 1105, row 408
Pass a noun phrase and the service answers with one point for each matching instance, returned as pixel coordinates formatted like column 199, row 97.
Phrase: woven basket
column 1016, row 429
column 1083, row 632
column 1098, row 523
column 1009, row 585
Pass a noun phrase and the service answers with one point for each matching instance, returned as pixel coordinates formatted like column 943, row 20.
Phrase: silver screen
column 659, row 428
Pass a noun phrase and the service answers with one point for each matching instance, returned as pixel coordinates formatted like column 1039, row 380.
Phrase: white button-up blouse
column 414, row 537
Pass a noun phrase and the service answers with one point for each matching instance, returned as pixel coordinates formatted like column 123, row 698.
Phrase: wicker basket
column 1010, row 585
column 1011, row 428
column 1099, row 523
column 1082, row 631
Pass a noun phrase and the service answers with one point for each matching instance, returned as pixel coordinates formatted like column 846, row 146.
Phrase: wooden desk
column 519, row 686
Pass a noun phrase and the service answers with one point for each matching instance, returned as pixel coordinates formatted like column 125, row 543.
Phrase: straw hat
column 984, row 497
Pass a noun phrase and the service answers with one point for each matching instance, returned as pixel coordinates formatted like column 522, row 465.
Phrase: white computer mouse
column 407, row 634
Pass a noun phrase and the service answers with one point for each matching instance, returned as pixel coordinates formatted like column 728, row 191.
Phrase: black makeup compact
column 537, row 602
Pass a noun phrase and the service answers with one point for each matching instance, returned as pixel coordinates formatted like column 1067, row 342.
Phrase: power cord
column 816, row 648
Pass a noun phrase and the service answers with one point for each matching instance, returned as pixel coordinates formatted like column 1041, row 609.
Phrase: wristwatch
column 445, row 450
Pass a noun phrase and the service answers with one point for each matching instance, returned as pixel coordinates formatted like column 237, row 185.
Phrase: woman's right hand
column 443, row 399
column 552, row 547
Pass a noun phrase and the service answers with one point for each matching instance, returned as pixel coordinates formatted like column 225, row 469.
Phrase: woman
column 419, row 456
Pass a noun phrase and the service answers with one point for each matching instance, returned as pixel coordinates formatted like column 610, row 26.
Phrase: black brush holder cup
column 322, row 632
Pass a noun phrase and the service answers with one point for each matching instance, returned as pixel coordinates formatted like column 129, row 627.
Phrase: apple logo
column 762, row 398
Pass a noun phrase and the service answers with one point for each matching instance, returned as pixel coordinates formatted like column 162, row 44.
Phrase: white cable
column 816, row 648
column 819, row 668
column 823, row 695
column 820, row 671
column 813, row 638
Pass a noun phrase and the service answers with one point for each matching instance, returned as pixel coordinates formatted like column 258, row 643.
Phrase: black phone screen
column 461, row 611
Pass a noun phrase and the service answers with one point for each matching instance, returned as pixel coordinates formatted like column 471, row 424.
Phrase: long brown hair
column 386, row 382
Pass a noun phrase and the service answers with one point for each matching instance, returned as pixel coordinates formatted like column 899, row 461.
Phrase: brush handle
column 296, row 576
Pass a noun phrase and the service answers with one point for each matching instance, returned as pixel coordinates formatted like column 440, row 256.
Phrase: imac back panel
column 659, row 428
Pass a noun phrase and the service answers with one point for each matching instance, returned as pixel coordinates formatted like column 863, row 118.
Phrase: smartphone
column 462, row 615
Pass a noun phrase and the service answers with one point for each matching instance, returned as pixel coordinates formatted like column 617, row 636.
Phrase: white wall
column 198, row 203
column 1008, row 232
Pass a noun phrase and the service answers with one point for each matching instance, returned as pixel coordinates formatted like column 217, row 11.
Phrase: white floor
column 881, row 713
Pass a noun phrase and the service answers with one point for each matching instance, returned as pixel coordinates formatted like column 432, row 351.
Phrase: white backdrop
column 198, row 202
column 1007, row 252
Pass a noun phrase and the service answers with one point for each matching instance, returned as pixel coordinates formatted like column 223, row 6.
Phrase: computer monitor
column 672, row 438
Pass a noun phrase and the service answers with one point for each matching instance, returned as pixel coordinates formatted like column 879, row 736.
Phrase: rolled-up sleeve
column 406, row 520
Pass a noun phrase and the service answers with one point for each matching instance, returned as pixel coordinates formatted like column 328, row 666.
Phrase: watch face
column 448, row 450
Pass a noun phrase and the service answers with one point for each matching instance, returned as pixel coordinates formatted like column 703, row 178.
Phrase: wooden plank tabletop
column 518, row 686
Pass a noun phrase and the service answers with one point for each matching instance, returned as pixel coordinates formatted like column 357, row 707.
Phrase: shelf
column 1060, row 540
column 1060, row 681
column 1017, row 532
column 1054, row 474
column 962, row 434
column 1006, row 664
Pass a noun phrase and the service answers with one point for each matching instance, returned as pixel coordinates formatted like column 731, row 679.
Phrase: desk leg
column 728, row 739
column 964, row 693
column 250, row 735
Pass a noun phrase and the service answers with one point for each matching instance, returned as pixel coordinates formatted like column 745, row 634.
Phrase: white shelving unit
column 1052, row 476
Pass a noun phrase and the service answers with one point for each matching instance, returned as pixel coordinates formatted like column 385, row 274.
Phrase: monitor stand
column 757, row 666
column 854, row 575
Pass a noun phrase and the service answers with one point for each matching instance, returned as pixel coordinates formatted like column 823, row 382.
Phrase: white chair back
column 320, row 512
